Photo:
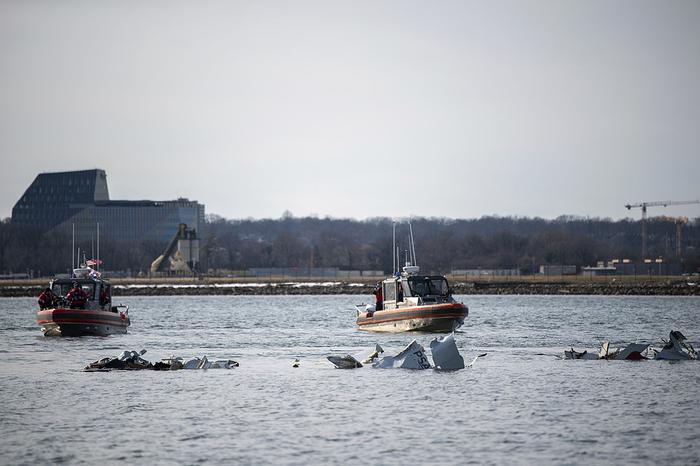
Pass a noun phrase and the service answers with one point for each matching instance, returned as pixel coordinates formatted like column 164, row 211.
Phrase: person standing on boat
column 104, row 296
column 46, row 299
column 378, row 295
column 76, row 297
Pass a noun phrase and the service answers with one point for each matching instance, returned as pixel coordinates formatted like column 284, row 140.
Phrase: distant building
column 325, row 272
column 57, row 201
column 598, row 271
column 648, row 268
column 486, row 272
column 558, row 270
column 656, row 267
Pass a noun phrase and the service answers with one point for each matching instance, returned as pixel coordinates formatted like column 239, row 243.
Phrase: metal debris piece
column 445, row 353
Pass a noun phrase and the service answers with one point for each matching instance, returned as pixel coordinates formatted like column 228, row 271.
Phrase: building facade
column 79, row 201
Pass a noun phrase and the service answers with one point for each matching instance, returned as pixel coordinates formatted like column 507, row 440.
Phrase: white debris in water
column 445, row 353
column 676, row 349
column 411, row 357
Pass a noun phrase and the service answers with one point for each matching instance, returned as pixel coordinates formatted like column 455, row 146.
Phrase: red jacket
column 46, row 300
column 77, row 297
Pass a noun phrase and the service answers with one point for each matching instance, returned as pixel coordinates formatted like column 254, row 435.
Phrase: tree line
column 442, row 244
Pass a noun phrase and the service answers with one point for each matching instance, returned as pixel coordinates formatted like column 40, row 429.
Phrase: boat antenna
column 72, row 260
column 98, row 246
column 398, row 259
column 393, row 249
column 413, row 244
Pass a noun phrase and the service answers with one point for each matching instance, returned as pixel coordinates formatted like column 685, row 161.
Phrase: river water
column 518, row 405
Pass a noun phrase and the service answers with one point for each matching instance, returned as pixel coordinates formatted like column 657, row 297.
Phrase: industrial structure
column 181, row 256
column 77, row 201
column 679, row 223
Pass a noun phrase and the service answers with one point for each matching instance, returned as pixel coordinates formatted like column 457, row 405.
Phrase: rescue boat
column 97, row 317
column 413, row 303
column 408, row 301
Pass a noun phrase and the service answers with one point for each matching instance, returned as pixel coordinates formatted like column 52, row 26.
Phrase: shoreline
column 124, row 287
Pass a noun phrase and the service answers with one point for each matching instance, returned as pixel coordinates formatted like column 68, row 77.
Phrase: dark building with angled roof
column 80, row 199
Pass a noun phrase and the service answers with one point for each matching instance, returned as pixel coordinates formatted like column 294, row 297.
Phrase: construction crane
column 679, row 222
column 644, row 206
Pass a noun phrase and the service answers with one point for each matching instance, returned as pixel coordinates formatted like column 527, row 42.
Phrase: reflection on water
column 518, row 404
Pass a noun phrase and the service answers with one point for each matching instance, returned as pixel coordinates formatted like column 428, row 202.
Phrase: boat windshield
column 63, row 287
column 428, row 286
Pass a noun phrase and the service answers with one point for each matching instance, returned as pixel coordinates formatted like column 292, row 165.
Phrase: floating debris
column 368, row 358
column 296, row 363
column 411, row 357
column 132, row 360
column 176, row 363
column 675, row 349
column 445, row 354
column 344, row 362
column 127, row 360
column 573, row 354
column 477, row 357
column 355, row 361
column 631, row 352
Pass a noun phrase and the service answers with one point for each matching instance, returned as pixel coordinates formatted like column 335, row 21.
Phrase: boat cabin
column 92, row 287
column 415, row 290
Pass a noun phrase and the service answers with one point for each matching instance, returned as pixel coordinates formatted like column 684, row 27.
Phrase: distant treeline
column 441, row 244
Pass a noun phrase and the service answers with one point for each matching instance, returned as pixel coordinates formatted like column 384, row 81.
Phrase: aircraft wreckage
column 444, row 352
column 675, row 349
column 132, row 361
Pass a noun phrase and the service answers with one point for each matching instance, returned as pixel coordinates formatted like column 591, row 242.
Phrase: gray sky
column 358, row 109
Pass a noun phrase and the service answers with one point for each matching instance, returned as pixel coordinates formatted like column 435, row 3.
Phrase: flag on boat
column 92, row 262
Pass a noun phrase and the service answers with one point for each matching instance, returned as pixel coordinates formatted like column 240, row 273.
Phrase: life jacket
column 77, row 297
column 45, row 299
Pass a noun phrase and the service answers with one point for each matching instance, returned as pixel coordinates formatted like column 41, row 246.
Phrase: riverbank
column 680, row 286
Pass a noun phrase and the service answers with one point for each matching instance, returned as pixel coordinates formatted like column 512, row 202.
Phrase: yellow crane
column 643, row 206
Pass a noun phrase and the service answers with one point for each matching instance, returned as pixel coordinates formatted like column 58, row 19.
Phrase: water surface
column 518, row 405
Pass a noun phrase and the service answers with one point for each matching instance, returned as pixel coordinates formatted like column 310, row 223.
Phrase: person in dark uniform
column 378, row 295
column 105, row 298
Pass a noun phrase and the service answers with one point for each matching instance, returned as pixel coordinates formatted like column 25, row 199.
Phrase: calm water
column 518, row 405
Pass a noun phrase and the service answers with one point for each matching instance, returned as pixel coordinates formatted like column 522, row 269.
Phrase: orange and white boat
column 408, row 301
column 414, row 303
column 96, row 317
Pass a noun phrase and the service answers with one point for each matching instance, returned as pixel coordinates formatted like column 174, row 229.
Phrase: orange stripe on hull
column 429, row 316
column 122, row 323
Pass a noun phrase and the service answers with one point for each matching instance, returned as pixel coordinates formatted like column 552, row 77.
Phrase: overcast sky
column 358, row 109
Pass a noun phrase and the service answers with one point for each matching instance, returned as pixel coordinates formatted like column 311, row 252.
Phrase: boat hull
column 438, row 318
column 81, row 322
